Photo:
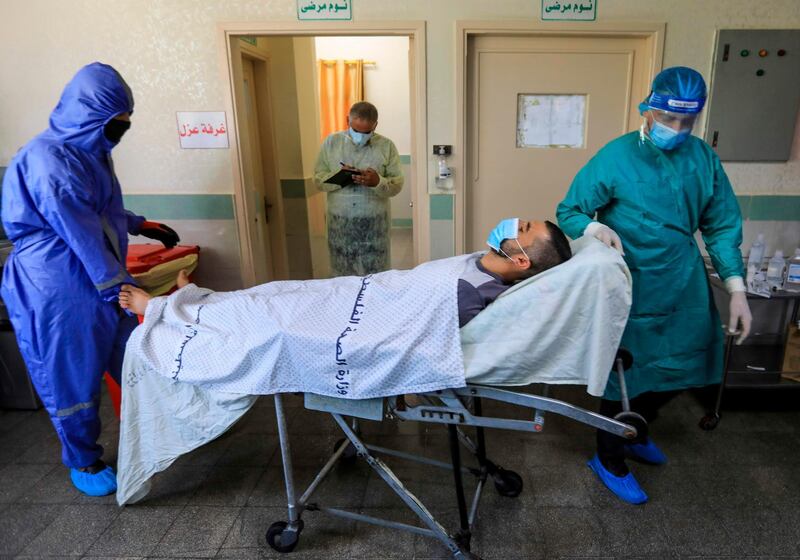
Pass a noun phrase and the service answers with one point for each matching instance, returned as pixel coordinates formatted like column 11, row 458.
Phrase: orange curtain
column 341, row 83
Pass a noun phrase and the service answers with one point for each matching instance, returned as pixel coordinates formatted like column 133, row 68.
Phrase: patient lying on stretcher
column 201, row 358
column 537, row 247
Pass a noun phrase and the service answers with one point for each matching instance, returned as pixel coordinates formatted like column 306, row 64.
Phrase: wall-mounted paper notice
column 202, row 129
column 551, row 121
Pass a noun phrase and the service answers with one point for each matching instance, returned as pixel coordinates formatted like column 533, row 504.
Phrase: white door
column 538, row 109
column 255, row 188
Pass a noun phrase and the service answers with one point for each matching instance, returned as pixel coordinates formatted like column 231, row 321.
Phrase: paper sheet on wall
column 551, row 121
column 202, row 129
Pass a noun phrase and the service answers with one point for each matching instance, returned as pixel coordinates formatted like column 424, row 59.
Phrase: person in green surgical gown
column 358, row 214
column 646, row 193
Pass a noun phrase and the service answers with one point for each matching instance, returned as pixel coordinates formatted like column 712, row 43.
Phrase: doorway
column 539, row 104
column 262, row 190
column 281, row 213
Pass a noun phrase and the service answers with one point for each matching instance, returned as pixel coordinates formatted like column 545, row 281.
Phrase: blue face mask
column 667, row 138
column 359, row 138
column 506, row 229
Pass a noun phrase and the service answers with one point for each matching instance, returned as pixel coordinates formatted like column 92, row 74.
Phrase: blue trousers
column 68, row 342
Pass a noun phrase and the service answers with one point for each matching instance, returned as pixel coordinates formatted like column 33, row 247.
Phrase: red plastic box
column 142, row 258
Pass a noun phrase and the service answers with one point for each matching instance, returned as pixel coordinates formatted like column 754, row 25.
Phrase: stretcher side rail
column 454, row 411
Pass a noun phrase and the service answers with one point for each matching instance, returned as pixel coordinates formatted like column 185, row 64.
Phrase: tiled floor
column 731, row 493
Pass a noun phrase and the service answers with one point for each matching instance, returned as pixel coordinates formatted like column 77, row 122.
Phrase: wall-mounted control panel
column 755, row 94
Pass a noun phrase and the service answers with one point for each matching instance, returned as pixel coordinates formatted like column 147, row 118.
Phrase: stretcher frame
column 456, row 408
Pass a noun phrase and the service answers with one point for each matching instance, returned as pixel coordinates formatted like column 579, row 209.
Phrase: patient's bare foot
column 134, row 299
column 183, row 279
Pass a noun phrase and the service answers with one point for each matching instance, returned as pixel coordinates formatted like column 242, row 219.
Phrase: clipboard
column 343, row 178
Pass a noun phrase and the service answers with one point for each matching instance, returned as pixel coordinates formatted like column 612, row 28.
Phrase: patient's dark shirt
column 477, row 288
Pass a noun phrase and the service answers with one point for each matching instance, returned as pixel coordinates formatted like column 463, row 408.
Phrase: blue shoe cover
column 625, row 487
column 647, row 452
column 102, row 483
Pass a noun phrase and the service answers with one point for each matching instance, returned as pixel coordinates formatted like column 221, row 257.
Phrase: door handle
column 267, row 206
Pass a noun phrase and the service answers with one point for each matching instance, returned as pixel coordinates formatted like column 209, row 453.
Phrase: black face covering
column 115, row 128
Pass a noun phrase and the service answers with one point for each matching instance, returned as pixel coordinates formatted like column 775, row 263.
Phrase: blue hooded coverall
column 62, row 208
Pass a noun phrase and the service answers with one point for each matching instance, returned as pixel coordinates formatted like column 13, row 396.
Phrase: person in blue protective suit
column 62, row 209
column 651, row 191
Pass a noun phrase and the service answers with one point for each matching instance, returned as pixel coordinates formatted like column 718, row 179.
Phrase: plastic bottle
column 792, row 280
column 775, row 271
column 755, row 258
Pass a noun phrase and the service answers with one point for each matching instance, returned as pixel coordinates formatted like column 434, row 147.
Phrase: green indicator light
column 745, row 52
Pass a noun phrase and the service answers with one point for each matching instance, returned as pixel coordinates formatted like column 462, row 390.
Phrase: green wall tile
column 775, row 208
column 405, row 159
column 402, row 223
column 744, row 205
column 220, row 206
column 441, row 207
column 181, row 206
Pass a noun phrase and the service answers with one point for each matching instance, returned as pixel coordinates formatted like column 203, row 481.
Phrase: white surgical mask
column 359, row 138
column 506, row 229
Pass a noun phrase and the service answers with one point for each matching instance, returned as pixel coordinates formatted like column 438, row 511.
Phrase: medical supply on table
column 791, row 282
column 775, row 271
column 754, row 260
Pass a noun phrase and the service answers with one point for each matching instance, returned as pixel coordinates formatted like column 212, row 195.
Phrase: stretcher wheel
column 349, row 454
column 507, row 483
column 281, row 540
column 709, row 422
column 637, row 421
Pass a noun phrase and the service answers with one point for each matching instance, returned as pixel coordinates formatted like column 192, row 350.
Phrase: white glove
column 605, row 234
column 739, row 313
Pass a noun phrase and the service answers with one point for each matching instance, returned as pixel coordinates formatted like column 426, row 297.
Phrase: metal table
column 758, row 362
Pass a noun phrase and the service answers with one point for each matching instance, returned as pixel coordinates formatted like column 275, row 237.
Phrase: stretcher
column 457, row 409
column 563, row 326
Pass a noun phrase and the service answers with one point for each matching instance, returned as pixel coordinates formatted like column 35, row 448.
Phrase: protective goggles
column 676, row 121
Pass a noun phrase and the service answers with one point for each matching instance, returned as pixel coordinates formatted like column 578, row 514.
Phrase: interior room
column 427, row 279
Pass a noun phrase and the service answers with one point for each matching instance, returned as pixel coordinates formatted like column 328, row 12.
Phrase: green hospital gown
column 655, row 200
column 359, row 217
